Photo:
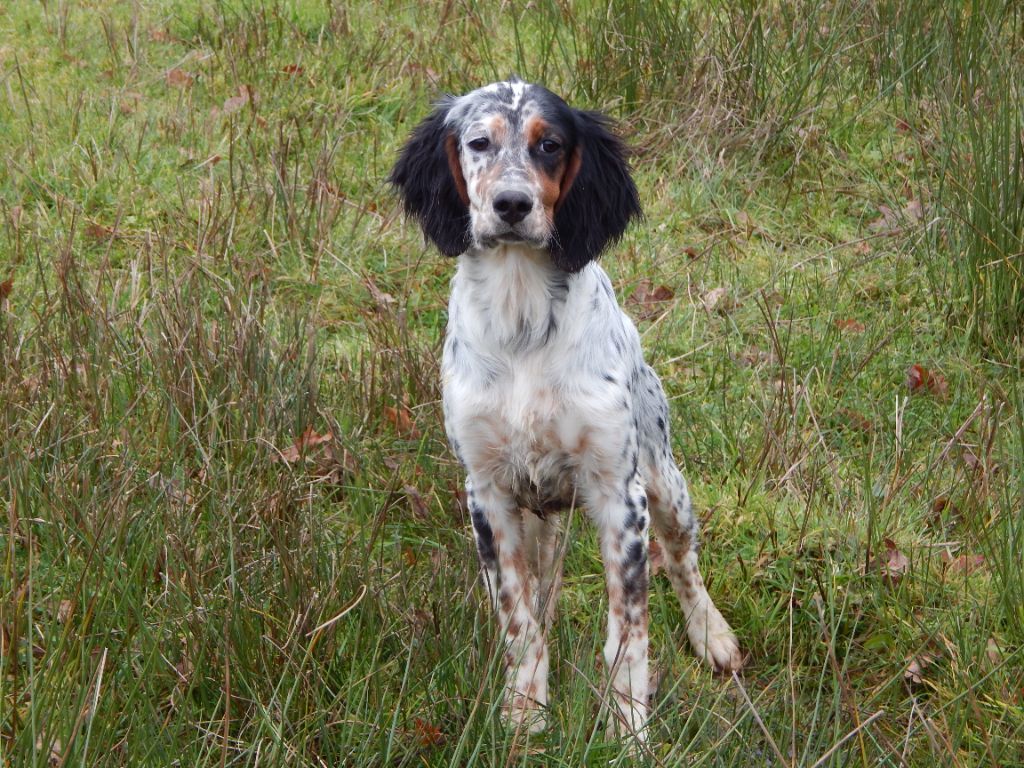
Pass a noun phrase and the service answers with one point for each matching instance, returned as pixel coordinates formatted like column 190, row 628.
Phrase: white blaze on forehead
column 463, row 107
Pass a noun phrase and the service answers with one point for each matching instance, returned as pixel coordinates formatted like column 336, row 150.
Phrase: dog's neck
column 516, row 294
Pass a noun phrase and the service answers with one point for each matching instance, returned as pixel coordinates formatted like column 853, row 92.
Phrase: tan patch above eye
column 536, row 129
column 499, row 129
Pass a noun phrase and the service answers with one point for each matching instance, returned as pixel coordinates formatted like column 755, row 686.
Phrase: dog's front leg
column 621, row 516
column 498, row 527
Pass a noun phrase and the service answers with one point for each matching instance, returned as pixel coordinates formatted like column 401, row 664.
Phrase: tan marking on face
column 569, row 176
column 451, row 148
column 498, row 129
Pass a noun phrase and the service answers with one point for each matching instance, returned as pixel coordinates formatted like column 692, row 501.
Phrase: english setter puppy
column 547, row 398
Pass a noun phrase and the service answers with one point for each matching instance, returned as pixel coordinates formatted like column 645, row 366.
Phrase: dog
column 547, row 399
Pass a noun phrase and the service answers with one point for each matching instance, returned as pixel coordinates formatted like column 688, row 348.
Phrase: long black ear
column 429, row 179
column 599, row 198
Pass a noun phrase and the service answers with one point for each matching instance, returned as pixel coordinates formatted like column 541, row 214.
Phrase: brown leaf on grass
column 856, row 420
column 890, row 222
column 96, row 231
column 719, row 300
column 382, row 299
column 893, row 563
column 656, row 557
column 293, row 69
column 177, row 77
column 913, row 674
column 993, row 653
column 848, row 324
column 158, row 35
column 416, row 503
column 690, row 252
column 427, row 734
column 920, row 380
column 648, row 300
column 235, row 103
column 308, row 439
column 401, row 419
column 64, row 610
column 6, row 287
column 965, row 564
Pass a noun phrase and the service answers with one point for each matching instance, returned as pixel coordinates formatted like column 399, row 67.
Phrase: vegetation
column 232, row 532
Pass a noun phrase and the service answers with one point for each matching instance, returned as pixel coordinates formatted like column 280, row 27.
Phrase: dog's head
column 513, row 163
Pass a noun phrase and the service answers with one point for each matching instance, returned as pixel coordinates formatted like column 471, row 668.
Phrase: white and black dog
column 547, row 398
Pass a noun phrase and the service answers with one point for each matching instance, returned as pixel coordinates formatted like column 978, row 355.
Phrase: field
column 232, row 532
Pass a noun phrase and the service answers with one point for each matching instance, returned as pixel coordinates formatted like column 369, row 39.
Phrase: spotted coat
column 548, row 402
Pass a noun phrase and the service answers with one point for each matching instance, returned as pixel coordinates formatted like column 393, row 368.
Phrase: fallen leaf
column 848, row 324
column 382, row 299
column 6, row 287
column 308, row 439
column 179, row 78
column 893, row 564
column 158, row 35
column 914, row 672
column 890, row 222
column 655, row 556
column 427, row 734
column 416, row 503
column 966, row 564
column 98, row 231
column 408, row 556
column 649, row 300
column 690, row 252
column 857, row 420
column 921, row 380
column 993, row 652
column 293, row 69
column 401, row 419
column 235, row 103
column 64, row 611
column 718, row 299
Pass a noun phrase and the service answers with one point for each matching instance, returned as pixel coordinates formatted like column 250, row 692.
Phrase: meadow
column 232, row 531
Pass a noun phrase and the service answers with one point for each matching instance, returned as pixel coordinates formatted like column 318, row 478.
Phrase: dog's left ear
column 598, row 198
column 429, row 179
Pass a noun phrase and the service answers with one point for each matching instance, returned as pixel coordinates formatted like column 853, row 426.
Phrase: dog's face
column 513, row 163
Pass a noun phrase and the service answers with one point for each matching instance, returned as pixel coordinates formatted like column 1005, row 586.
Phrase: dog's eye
column 479, row 145
column 549, row 146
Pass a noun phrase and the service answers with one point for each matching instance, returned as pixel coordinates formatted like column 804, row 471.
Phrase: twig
column 821, row 760
column 757, row 718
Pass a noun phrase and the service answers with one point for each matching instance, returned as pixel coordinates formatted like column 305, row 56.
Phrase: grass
column 232, row 534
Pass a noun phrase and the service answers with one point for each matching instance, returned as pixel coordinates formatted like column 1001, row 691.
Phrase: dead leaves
column 177, row 77
column 892, row 222
column 920, row 380
column 329, row 461
column 400, row 417
column 649, row 301
column 892, row 563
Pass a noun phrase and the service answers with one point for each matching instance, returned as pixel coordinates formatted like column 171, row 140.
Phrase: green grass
column 204, row 262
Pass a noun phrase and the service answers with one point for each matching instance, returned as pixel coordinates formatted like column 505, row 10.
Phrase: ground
column 233, row 533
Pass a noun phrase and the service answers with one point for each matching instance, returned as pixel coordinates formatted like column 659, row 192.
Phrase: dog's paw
column 713, row 641
column 522, row 714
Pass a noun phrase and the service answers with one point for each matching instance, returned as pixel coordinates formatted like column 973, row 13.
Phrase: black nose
column 512, row 206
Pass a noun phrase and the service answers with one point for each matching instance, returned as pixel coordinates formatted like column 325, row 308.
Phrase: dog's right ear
column 429, row 179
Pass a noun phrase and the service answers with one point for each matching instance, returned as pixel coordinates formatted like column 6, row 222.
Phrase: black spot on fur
column 661, row 424
column 484, row 537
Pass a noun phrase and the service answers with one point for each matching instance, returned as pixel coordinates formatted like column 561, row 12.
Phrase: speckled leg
column 498, row 526
column 622, row 521
column 676, row 528
column 543, row 555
